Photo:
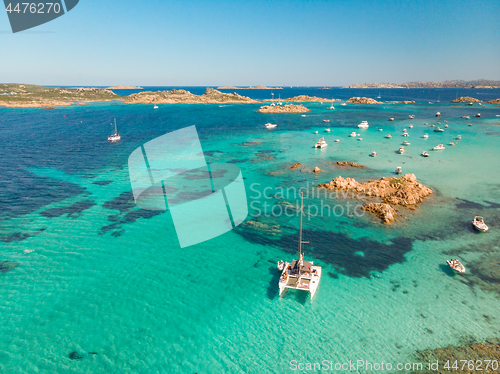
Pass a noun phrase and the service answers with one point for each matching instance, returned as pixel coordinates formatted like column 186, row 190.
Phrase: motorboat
column 343, row 104
column 456, row 265
column 411, row 126
column 426, row 136
column 470, row 124
column 446, row 126
column 155, row 107
column 459, row 137
column 406, row 142
column 374, row 154
column 337, row 140
column 401, row 150
column 302, row 115
column 270, row 125
column 379, row 129
column 478, row 223
column 353, row 134
column 360, row 138
column 478, row 115
column 316, row 132
column 466, row 117
column 388, row 136
column 411, row 116
column 321, row 143
column 438, row 129
column 363, row 124
column 425, row 154
column 438, row 147
column 327, row 129
column 115, row 137
column 326, row 120
column 391, row 119
column 451, row 143
column 405, row 134
column 438, row 114
column 398, row 170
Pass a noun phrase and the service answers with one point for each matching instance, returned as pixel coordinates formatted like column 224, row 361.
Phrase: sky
column 275, row 43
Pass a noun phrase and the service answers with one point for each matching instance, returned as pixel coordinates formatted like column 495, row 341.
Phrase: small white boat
column 343, row 104
column 470, row 124
column 374, row 154
column 337, row 140
column 425, row 154
column 438, row 129
column 327, row 130
column 401, row 150
column 302, row 115
column 426, row 136
column 316, row 132
column 326, row 120
column 459, row 137
column 388, row 136
column 270, row 125
column 478, row 115
column 497, row 115
column 332, row 107
column 281, row 265
column 456, row 265
column 155, row 107
column 353, row 134
column 451, row 143
column 465, row 117
column 406, row 142
column 411, row 126
column 405, row 134
column 360, row 138
column 438, row 147
column 478, row 223
column 446, row 126
column 363, row 124
column 379, row 129
column 391, row 119
column 411, row 116
column 321, row 143
column 398, row 170
column 115, row 137
column 438, row 114
column 470, row 104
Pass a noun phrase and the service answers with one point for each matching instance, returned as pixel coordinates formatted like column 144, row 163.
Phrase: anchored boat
column 299, row 274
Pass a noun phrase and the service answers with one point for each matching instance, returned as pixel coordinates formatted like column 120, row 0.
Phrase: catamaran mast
column 301, row 255
column 116, row 131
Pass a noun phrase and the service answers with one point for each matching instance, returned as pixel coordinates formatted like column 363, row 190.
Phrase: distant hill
column 480, row 83
column 258, row 87
column 124, row 88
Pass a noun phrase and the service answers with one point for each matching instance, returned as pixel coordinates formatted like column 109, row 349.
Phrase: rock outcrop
column 402, row 102
column 174, row 96
column 384, row 211
column 296, row 165
column 342, row 164
column 496, row 101
column 317, row 170
column 289, row 108
column 466, row 99
column 405, row 191
column 363, row 100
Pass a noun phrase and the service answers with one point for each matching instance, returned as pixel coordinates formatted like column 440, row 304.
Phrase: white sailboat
column 299, row 274
column 115, row 137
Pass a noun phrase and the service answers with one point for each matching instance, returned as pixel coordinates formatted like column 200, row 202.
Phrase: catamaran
column 115, row 137
column 300, row 274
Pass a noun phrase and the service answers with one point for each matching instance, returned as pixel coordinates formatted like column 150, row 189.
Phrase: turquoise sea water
column 88, row 271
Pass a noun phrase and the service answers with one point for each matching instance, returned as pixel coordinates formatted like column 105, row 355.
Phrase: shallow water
column 96, row 274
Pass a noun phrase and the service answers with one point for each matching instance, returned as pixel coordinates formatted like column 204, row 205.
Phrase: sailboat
column 300, row 274
column 115, row 137
column 378, row 97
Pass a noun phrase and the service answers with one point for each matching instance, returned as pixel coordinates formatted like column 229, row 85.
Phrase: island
column 404, row 191
column 496, row 101
column 466, row 99
column 363, row 100
column 174, row 96
column 258, row 87
column 124, row 88
column 480, row 83
column 33, row 96
column 305, row 99
column 289, row 108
